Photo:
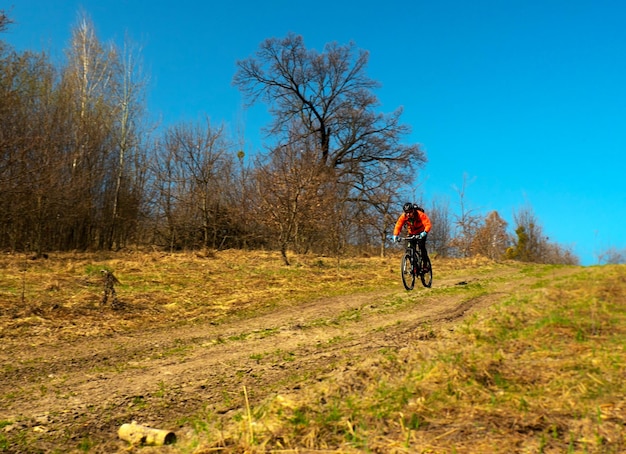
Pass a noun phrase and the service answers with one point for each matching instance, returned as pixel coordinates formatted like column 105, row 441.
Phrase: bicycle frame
column 411, row 245
column 414, row 254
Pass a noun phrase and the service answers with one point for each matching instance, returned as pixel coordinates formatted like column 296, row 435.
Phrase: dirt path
column 74, row 390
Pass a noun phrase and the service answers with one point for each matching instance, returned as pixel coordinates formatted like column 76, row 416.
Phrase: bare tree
column 491, row 239
column 329, row 100
column 290, row 187
column 5, row 22
column 71, row 170
column 195, row 166
column 88, row 84
column 238, row 199
column 128, row 88
column 467, row 223
column 559, row 254
column 612, row 256
column 375, row 219
column 440, row 237
column 26, row 148
column 89, row 73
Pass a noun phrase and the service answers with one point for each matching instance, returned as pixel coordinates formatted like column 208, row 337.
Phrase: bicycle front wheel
column 408, row 275
column 427, row 274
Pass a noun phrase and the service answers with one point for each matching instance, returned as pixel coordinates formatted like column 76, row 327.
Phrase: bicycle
column 412, row 265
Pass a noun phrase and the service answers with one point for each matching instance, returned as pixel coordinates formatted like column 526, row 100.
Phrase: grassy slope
column 542, row 372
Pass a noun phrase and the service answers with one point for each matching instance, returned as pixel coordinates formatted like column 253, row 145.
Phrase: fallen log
column 137, row 434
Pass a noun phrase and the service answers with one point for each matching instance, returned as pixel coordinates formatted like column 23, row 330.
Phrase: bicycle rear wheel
column 427, row 276
column 408, row 276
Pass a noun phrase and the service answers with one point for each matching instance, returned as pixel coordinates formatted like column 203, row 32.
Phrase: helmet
column 407, row 207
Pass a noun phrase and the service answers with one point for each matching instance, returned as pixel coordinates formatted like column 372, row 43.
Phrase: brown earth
column 58, row 392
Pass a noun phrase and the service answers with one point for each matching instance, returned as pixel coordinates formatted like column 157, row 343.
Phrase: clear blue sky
column 526, row 98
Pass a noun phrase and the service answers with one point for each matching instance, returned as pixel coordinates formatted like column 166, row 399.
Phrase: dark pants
column 422, row 245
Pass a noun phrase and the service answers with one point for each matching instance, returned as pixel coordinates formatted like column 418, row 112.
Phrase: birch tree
column 88, row 82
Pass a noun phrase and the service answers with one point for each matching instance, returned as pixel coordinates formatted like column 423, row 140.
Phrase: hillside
column 235, row 352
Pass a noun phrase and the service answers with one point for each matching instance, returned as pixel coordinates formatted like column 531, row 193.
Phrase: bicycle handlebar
column 409, row 237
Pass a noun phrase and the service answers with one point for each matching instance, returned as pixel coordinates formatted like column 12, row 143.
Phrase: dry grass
column 543, row 372
column 41, row 296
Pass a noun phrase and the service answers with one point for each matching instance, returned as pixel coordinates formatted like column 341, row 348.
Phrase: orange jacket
column 420, row 223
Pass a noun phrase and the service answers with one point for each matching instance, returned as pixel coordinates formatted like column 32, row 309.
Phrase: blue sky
column 527, row 99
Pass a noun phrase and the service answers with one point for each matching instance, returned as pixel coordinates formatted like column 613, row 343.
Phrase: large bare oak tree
column 329, row 100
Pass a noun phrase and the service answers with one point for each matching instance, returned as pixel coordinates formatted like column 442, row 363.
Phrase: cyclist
column 418, row 223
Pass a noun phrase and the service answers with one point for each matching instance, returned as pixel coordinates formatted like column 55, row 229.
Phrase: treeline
column 82, row 168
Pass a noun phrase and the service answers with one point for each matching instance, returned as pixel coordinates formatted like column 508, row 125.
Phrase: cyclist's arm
column 399, row 224
column 425, row 221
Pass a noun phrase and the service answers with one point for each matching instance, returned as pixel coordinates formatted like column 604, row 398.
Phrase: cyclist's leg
column 424, row 253
column 417, row 255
